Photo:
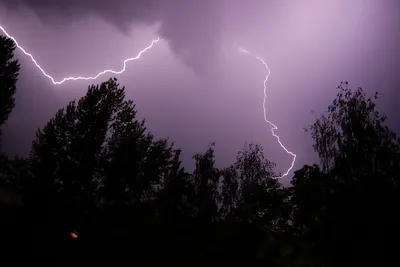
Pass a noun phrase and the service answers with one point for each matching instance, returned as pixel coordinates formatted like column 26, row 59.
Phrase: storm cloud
column 194, row 86
column 191, row 28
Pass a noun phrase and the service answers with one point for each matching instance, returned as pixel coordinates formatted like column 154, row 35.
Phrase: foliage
column 96, row 170
column 352, row 203
column 9, row 69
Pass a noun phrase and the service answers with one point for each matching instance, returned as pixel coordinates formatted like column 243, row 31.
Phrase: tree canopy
column 96, row 173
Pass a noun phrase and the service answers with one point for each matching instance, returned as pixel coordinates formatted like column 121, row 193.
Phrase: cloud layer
column 192, row 28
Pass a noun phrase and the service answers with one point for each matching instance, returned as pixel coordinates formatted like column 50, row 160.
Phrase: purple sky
column 194, row 86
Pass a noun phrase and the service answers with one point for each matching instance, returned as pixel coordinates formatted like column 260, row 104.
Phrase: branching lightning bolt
column 274, row 127
column 79, row 78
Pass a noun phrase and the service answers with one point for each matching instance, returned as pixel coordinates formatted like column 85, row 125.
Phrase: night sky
column 194, row 86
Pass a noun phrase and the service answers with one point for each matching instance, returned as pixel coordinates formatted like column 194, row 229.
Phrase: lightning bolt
column 79, row 78
column 274, row 127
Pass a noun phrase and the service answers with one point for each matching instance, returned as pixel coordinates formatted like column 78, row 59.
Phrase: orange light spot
column 74, row 235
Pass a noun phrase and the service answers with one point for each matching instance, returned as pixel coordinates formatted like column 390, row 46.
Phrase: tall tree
column 358, row 188
column 355, row 130
column 206, row 180
column 65, row 156
column 9, row 69
column 176, row 198
column 95, row 155
column 249, row 190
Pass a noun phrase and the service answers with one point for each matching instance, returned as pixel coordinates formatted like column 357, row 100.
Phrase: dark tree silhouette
column 11, row 171
column 9, row 69
column 94, row 168
column 249, row 189
column 351, row 206
column 206, row 179
column 95, row 156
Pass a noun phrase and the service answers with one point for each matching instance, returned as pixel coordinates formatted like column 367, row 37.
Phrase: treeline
column 94, row 169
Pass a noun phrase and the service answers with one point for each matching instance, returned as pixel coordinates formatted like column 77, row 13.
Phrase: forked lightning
column 274, row 127
column 79, row 78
